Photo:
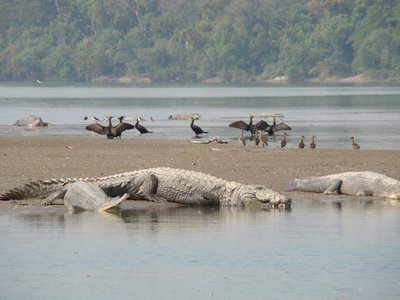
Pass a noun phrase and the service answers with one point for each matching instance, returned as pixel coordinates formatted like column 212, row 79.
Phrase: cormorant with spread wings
column 110, row 131
column 242, row 125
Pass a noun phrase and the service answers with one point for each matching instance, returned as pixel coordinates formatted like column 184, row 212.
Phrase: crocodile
column 349, row 183
column 82, row 195
column 161, row 184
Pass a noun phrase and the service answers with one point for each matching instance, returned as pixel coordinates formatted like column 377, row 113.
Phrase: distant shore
column 360, row 78
column 24, row 159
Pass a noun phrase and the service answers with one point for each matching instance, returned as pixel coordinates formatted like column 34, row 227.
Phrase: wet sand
column 23, row 159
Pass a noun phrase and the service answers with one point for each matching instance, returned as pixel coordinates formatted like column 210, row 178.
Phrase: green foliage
column 189, row 40
column 331, row 52
column 377, row 40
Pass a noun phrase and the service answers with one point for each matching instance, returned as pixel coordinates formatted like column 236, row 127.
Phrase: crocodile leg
column 149, row 189
column 209, row 199
column 334, row 188
column 54, row 196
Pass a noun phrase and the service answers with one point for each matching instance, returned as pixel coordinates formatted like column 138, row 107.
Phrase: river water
column 318, row 250
column 336, row 248
column 332, row 113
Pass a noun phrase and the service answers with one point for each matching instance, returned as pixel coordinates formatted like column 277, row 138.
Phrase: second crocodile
column 349, row 183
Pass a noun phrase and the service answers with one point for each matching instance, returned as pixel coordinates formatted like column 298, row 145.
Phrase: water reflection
column 180, row 214
column 41, row 219
column 149, row 213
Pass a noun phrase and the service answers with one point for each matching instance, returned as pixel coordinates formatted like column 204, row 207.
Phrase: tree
column 376, row 39
column 189, row 40
column 331, row 51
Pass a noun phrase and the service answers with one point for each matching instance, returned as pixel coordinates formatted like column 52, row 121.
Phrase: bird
column 312, row 144
column 197, row 130
column 284, row 141
column 354, row 144
column 121, row 127
column 100, row 129
column 277, row 127
column 242, row 139
column 96, row 127
column 260, row 125
column 141, row 128
column 256, row 139
column 242, row 125
column 282, row 126
column 110, row 131
column 263, row 139
column 93, row 118
column 301, row 144
column 271, row 129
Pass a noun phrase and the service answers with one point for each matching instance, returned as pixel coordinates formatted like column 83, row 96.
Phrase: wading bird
column 354, row 144
column 301, row 144
column 242, row 139
column 312, row 144
column 284, row 141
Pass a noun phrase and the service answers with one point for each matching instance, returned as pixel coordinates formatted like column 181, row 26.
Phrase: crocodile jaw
column 260, row 195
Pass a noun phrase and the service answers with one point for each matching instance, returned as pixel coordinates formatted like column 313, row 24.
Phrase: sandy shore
column 23, row 159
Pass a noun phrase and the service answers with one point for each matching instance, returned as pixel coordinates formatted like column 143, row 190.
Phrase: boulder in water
column 31, row 121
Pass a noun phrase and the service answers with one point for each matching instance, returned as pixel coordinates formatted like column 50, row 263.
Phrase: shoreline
column 25, row 159
column 261, row 79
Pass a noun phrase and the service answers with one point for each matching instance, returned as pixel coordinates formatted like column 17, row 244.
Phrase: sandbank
column 24, row 159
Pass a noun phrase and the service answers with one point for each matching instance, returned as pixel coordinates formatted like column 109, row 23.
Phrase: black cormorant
column 110, row 131
column 242, row 125
column 197, row 130
column 122, row 126
column 141, row 128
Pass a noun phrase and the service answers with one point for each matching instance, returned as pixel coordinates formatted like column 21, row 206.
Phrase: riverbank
column 24, row 159
column 263, row 78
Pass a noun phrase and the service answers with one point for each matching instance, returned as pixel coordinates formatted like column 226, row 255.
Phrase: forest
column 189, row 41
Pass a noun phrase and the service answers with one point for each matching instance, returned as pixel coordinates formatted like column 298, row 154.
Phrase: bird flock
column 256, row 131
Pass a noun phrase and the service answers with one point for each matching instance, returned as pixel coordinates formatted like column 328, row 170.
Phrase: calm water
column 332, row 113
column 318, row 250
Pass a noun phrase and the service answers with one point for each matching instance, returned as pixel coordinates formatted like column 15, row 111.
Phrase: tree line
column 192, row 41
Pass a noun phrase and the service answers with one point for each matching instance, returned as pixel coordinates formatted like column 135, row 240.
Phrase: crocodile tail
column 34, row 189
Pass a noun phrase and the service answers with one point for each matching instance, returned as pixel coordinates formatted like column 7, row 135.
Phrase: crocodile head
column 260, row 195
